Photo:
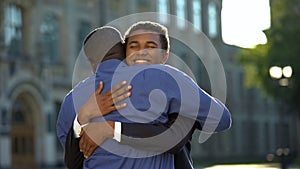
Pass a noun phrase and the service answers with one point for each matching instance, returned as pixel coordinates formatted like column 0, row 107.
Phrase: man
column 71, row 105
column 73, row 157
column 142, row 57
column 141, row 36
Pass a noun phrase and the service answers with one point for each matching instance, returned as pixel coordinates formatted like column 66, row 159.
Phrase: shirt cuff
column 76, row 128
column 117, row 131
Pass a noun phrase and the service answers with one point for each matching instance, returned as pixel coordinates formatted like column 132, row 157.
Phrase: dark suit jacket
column 73, row 157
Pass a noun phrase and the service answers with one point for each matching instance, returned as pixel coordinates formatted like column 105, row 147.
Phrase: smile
column 141, row 61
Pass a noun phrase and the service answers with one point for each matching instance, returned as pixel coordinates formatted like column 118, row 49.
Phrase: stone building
column 39, row 44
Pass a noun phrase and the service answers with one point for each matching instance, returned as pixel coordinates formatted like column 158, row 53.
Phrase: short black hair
column 153, row 27
column 104, row 43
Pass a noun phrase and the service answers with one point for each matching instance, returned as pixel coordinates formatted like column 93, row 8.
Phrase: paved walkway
column 248, row 166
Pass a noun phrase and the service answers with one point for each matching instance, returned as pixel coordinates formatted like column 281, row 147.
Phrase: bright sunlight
column 243, row 22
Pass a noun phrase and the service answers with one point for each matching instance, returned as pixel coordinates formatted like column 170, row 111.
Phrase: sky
column 243, row 22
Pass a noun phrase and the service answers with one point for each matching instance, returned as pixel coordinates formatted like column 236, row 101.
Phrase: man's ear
column 166, row 56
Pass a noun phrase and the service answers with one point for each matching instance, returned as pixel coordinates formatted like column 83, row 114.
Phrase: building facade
column 39, row 44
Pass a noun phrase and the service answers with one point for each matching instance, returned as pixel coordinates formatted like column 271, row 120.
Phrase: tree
column 282, row 49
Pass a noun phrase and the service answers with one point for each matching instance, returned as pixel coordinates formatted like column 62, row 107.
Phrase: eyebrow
column 152, row 42
column 148, row 42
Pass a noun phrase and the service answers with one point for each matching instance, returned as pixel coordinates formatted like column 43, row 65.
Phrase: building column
column 5, row 141
column 50, row 152
column 50, row 149
column 71, row 27
column 5, row 153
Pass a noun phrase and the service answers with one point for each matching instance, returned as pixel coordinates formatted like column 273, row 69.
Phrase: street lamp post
column 282, row 74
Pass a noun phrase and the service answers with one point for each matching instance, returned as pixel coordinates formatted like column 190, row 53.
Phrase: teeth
column 141, row 61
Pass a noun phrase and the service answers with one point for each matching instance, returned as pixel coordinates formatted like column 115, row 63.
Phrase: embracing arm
column 169, row 137
column 97, row 105
column 212, row 115
column 166, row 137
column 196, row 107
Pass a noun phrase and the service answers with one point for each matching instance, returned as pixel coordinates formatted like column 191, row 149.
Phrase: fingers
column 118, row 86
column 118, row 99
column 99, row 89
column 90, row 149
column 118, row 93
column 116, row 90
column 86, row 145
column 106, row 102
column 82, row 143
column 121, row 97
column 122, row 91
column 86, row 152
column 118, row 107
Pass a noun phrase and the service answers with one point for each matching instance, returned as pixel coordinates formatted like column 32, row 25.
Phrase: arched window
column 13, row 29
column 163, row 9
column 181, row 13
column 212, row 20
column 18, row 114
column 197, row 14
column 83, row 30
column 49, row 39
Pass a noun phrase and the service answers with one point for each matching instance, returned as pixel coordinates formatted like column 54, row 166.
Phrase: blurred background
column 257, row 42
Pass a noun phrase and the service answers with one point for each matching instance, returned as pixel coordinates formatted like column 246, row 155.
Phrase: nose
column 142, row 52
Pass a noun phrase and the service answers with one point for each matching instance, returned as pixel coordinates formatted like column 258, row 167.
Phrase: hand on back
column 93, row 134
column 102, row 104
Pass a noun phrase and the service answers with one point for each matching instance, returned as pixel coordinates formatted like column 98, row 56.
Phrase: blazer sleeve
column 176, row 134
column 73, row 157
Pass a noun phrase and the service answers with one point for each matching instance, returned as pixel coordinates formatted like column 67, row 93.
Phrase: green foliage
column 254, row 62
column 282, row 49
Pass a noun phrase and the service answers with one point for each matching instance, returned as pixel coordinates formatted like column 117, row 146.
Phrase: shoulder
column 181, row 78
column 167, row 69
column 111, row 61
column 68, row 98
column 109, row 65
column 170, row 70
column 84, row 83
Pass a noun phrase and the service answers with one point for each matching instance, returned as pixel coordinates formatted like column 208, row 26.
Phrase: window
column 84, row 29
column 181, row 13
column 49, row 39
column 197, row 21
column 3, row 116
column 18, row 113
column 59, row 147
column 163, row 9
column 142, row 3
column 50, row 123
column 13, row 29
column 212, row 20
column 267, row 145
